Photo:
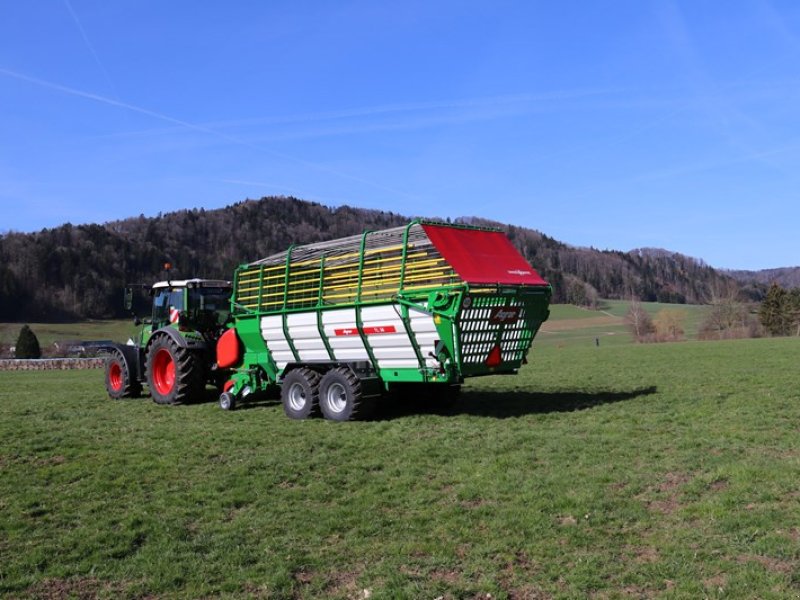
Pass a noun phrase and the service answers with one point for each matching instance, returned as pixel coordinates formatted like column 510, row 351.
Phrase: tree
column 639, row 321
column 728, row 318
column 793, row 312
column 772, row 312
column 779, row 313
column 580, row 293
column 669, row 324
column 27, row 344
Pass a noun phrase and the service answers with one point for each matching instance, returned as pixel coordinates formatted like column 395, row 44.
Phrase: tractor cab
column 199, row 304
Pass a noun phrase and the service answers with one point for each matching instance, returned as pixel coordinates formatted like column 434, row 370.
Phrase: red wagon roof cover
column 480, row 256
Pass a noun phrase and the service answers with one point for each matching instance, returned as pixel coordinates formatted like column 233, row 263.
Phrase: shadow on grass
column 211, row 396
column 497, row 405
column 504, row 405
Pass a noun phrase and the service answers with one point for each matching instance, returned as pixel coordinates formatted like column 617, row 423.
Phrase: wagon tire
column 119, row 383
column 300, row 393
column 174, row 374
column 340, row 396
column 227, row 401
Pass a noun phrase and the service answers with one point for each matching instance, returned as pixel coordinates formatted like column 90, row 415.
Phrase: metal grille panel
column 479, row 335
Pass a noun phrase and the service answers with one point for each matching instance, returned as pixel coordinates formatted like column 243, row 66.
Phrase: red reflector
column 495, row 357
column 229, row 349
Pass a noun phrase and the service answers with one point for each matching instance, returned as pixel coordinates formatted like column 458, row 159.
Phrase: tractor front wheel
column 174, row 374
column 119, row 383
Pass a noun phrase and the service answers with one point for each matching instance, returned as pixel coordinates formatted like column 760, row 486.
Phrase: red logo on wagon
column 348, row 331
column 367, row 330
column 504, row 314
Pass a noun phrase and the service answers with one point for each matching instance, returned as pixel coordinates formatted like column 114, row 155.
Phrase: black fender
column 180, row 341
column 132, row 356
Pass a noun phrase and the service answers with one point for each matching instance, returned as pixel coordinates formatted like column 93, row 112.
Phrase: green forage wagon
column 336, row 325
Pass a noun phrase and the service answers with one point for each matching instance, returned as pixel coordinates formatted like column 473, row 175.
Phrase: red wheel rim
column 163, row 371
column 115, row 376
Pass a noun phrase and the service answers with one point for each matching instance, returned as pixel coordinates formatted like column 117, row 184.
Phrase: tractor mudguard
column 189, row 341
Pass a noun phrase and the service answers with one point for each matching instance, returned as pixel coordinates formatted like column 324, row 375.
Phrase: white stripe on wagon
column 381, row 325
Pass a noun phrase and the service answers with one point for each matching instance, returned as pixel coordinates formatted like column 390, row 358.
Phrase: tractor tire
column 340, row 397
column 174, row 374
column 119, row 383
column 300, row 393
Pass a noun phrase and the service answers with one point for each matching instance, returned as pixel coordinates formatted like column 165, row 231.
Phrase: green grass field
column 624, row 471
column 47, row 333
column 573, row 326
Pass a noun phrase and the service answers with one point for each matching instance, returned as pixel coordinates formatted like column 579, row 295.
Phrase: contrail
column 194, row 127
column 91, row 48
column 104, row 100
column 464, row 103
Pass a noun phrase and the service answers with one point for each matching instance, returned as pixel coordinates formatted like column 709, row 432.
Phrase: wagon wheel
column 340, row 397
column 300, row 393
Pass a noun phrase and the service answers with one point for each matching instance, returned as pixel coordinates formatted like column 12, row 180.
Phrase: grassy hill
column 572, row 325
column 621, row 471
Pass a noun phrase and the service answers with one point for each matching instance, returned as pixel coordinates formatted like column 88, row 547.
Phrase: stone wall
column 51, row 364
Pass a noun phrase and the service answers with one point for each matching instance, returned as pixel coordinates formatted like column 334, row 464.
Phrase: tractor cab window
column 211, row 301
column 165, row 299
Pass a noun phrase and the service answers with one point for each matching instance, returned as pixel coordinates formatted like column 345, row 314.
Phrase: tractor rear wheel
column 174, row 374
column 300, row 393
column 340, row 397
column 119, row 383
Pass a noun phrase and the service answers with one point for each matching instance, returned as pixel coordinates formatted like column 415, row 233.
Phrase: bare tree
column 729, row 317
column 669, row 324
column 639, row 321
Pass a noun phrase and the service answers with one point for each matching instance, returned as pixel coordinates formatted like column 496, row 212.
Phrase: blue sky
column 616, row 125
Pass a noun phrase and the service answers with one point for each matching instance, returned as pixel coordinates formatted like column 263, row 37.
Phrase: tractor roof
column 192, row 283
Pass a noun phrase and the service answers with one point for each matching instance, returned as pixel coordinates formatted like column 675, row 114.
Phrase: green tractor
column 175, row 353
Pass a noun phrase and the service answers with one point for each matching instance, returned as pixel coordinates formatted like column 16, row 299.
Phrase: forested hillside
column 787, row 277
column 80, row 271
